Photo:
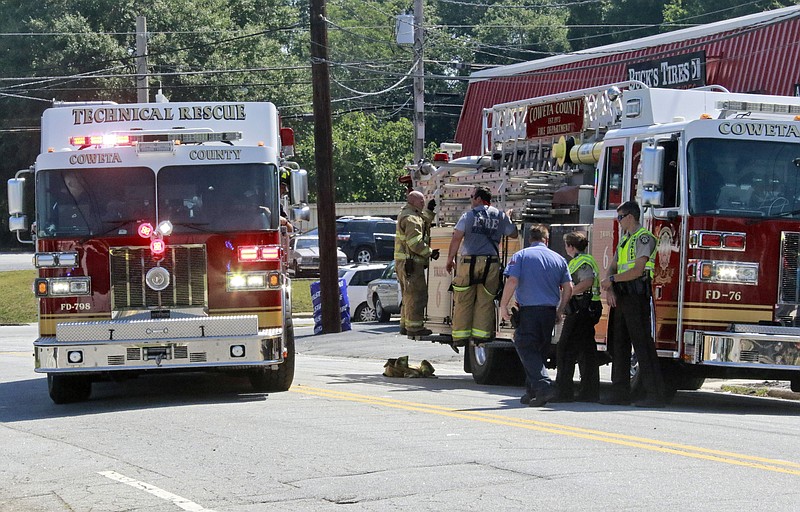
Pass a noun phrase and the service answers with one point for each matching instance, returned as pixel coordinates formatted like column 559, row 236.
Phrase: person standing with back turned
column 477, row 278
column 540, row 279
column 629, row 293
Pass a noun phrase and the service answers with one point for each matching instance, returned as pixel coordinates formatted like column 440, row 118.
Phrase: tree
column 369, row 154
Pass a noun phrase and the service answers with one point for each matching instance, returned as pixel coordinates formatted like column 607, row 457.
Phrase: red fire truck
column 159, row 244
column 718, row 176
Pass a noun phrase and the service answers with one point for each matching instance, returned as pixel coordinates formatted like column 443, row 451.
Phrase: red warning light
column 158, row 246
column 145, row 230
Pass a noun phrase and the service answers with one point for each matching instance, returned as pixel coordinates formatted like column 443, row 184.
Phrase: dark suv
column 364, row 239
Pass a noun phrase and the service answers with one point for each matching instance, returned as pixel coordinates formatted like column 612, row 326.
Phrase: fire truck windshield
column 744, row 178
column 90, row 202
column 227, row 197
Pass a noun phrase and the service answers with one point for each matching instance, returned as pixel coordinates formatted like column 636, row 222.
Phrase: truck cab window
column 613, row 170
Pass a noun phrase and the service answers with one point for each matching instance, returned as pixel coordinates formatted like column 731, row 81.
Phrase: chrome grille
column 134, row 354
column 198, row 357
column 116, row 360
column 185, row 263
column 789, row 292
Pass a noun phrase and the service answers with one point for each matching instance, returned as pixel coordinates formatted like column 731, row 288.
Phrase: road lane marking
column 183, row 503
column 696, row 452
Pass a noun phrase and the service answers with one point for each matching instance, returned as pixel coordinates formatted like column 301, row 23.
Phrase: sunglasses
column 622, row 216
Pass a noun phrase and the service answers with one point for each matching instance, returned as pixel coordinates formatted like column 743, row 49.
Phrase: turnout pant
column 414, row 291
column 630, row 324
column 475, row 286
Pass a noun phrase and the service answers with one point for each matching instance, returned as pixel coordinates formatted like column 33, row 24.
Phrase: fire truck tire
column 269, row 381
column 795, row 385
column 495, row 366
column 68, row 389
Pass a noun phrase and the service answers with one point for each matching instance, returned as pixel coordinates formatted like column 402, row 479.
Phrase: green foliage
column 368, row 156
column 19, row 304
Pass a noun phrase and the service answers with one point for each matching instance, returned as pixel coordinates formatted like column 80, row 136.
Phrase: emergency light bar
column 130, row 139
column 764, row 108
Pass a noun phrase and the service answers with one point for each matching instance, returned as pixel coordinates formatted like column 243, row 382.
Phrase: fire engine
column 718, row 176
column 158, row 241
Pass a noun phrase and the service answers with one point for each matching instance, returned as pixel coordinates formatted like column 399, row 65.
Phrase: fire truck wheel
column 68, row 389
column 266, row 380
column 495, row 365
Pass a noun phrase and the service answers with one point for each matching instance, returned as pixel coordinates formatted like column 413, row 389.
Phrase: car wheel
column 296, row 269
column 364, row 255
column 364, row 313
column 382, row 315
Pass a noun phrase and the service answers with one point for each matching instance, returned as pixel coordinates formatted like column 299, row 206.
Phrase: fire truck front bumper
column 757, row 347
column 193, row 343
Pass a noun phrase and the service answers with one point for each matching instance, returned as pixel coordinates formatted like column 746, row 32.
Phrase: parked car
column 304, row 255
column 357, row 277
column 364, row 239
column 383, row 294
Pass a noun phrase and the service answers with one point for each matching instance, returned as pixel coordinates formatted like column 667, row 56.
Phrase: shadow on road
column 24, row 400
column 699, row 402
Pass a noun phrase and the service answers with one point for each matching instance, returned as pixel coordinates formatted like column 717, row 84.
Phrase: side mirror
column 300, row 213
column 299, row 187
column 16, row 196
column 17, row 222
column 653, row 175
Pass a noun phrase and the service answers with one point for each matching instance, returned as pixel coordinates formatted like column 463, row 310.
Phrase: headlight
column 713, row 271
column 239, row 281
column 63, row 286
column 236, row 281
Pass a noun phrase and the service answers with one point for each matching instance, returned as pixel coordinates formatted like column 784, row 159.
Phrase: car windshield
column 92, row 202
column 744, row 178
column 223, row 197
column 388, row 273
column 306, row 243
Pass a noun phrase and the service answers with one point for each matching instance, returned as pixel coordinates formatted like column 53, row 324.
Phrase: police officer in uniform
column 411, row 254
column 477, row 277
column 577, row 343
column 629, row 289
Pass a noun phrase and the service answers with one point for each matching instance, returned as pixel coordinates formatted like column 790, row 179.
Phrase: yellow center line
column 775, row 465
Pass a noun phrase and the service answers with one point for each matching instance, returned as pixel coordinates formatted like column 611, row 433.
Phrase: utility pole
column 323, row 159
column 142, row 90
column 419, row 84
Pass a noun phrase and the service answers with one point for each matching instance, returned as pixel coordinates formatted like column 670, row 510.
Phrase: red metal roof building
column 759, row 53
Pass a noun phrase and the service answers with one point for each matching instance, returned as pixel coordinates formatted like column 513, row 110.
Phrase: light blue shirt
column 540, row 273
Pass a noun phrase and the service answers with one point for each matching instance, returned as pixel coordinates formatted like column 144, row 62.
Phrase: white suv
column 357, row 276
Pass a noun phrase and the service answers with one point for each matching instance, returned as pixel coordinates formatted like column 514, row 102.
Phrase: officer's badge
column 645, row 239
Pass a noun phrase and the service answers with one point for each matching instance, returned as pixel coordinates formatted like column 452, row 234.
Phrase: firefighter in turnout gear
column 412, row 252
column 477, row 277
column 629, row 292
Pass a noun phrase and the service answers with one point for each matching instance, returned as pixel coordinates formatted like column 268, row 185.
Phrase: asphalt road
column 346, row 437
